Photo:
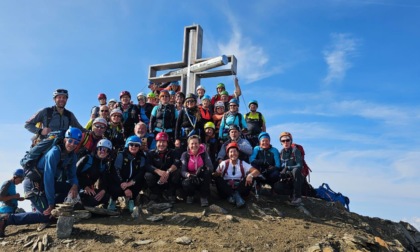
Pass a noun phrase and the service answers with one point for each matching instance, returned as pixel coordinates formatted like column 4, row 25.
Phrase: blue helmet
column 74, row 133
column 132, row 139
column 19, row 173
column 263, row 135
column 174, row 83
column 253, row 102
column 206, row 97
column 235, row 101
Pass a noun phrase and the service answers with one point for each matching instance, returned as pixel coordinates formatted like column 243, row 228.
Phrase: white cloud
column 342, row 47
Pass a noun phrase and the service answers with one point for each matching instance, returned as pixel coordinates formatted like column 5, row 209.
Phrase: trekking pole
column 257, row 196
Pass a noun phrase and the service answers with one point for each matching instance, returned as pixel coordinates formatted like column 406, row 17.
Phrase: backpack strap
column 241, row 167
column 50, row 111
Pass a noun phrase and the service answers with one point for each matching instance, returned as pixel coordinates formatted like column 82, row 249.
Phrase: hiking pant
column 27, row 218
column 90, row 201
column 203, row 186
column 271, row 176
column 226, row 188
column 115, row 190
column 171, row 186
column 292, row 186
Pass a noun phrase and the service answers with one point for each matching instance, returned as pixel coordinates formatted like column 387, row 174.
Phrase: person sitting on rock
column 196, row 171
column 234, row 177
column 245, row 148
column 91, row 169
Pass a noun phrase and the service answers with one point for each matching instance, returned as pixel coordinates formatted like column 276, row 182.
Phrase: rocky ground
column 266, row 224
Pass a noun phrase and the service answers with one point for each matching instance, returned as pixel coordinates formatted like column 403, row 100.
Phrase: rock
column 82, row 214
column 45, row 240
column 143, row 242
column 184, row 240
column 230, row 218
column 381, row 243
column 64, row 226
column 304, row 210
column 217, row 209
column 280, row 214
column 159, row 206
column 26, row 245
column 155, row 218
column 135, row 214
column 102, row 211
column 4, row 243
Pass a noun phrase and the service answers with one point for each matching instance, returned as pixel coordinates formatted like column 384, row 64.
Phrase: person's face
column 153, row 87
column 161, row 145
column 253, row 107
column 205, row 103
column 233, row 107
column 265, row 143
column 164, row 98
column 102, row 152
column 141, row 100
column 125, row 99
column 209, row 131
column 193, row 145
column 286, row 142
column 133, row 148
column 220, row 89
column 102, row 101
column 60, row 101
column 233, row 154
column 140, row 129
column 201, row 92
column 111, row 105
column 224, row 98
column 172, row 99
column 190, row 103
column 18, row 180
column 70, row 144
column 116, row 118
column 179, row 99
column 98, row 129
column 220, row 110
column 104, row 111
column 234, row 134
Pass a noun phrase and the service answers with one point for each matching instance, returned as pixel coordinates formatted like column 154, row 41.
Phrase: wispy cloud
column 337, row 56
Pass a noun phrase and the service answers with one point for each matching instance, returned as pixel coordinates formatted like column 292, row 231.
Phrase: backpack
column 305, row 167
column 227, row 161
column 32, row 156
column 260, row 121
column 324, row 192
column 239, row 115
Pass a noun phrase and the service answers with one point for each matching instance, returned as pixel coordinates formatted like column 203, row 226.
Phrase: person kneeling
column 231, row 179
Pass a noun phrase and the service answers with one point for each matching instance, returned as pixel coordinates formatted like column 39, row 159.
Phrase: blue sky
column 342, row 76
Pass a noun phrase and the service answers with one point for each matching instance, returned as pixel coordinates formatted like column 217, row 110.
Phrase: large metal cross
column 192, row 67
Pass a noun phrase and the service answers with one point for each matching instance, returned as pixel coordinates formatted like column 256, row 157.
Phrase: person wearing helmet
column 265, row 158
column 55, row 118
column 205, row 110
column 211, row 142
column 201, row 91
column 164, row 171
column 255, row 122
column 234, row 177
column 94, row 112
column 291, row 166
column 145, row 108
column 103, row 113
column 130, row 112
column 225, row 98
column 8, row 196
column 163, row 117
column 147, row 140
column 219, row 111
column 173, row 86
column 221, row 87
column 112, row 103
column 115, row 132
column 49, row 189
column 92, row 137
column 232, row 117
column 128, row 173
column 91, row 172
column 196, row 170
column 245, row 148
column 188, row 123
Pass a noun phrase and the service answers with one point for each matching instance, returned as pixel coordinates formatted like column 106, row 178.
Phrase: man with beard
column 55, row 118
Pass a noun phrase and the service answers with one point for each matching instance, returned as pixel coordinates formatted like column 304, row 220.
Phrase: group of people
column 170, row 146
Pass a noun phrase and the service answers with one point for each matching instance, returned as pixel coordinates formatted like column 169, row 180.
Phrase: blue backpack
column 324, row 192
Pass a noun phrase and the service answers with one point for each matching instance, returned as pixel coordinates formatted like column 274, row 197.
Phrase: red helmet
column 101, row 96
column 232, row 145
column 162, row 136
column 125, row 93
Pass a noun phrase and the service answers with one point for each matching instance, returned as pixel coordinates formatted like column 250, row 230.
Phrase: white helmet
column 219, row 104
column 116, row 111
column 101, row 121
column 200, row 87
column 141, row 94
column 104, row 143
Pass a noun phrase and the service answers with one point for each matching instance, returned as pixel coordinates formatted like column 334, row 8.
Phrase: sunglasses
column 72, row 141
column 234, row 170
column 62, row 91
column 116, row 115
column 165, row 96
column 134, row 145
column 190, row 101
column 103, row 149
column 104, row 110
column 99, row 126
column 233, row 105
column 285, row 141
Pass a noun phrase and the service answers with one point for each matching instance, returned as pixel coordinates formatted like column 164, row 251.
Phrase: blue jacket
column 53, row 167
column 265, row 157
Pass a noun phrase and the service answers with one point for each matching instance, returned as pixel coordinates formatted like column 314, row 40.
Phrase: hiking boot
column 172, row 199
column 231, row 200
column 131, row 206
column 238, row 200
column 204, row 202
column 111, row 205
column 296, row 201
column 2, row 227
column 190, row 199
column 43, row 226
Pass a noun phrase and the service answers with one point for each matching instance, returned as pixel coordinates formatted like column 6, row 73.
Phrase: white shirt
column 229, row 173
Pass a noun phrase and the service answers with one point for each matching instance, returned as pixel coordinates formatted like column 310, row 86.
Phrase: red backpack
column 305, row 168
